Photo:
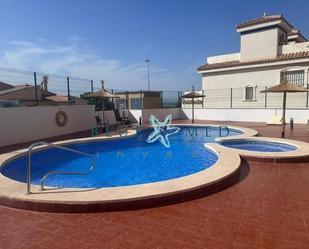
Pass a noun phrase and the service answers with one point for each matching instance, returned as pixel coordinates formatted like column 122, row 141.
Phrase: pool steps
column 47, row 145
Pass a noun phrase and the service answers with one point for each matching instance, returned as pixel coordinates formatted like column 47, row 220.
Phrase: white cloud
column 75, row 61
column 20, row 43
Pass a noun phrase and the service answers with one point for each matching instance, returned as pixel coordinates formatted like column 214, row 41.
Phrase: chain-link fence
column 34, row 88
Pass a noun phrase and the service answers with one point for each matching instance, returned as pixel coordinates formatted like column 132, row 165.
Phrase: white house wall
column 217, row 86
column 292, row 48
column 258, row 45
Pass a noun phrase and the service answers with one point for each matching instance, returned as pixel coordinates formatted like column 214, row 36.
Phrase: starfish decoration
column 162, row 130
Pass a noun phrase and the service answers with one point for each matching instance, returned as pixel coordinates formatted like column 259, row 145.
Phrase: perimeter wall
column 249, row 115
column 228, row 114
column 24, row 124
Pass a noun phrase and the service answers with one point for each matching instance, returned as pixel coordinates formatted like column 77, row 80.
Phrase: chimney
column 44, row 84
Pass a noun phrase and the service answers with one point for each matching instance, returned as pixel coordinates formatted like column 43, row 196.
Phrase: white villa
column 269, row 46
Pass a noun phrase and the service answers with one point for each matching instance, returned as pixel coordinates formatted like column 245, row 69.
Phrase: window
column 283, row 39
column 293, row 77
column 250, row 93
column 136, row 103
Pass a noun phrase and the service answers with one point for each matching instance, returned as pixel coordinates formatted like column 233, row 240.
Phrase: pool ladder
column 92, row 166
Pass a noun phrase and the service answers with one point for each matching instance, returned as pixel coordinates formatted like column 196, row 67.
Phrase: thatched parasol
column 102, row 94
column 192, row 95
column 284, row 88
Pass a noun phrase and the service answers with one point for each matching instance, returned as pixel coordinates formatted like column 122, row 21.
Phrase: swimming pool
column 259, row 145
column 123, row 162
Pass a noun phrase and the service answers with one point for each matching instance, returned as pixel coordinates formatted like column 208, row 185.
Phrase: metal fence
column 30, row 89
column 36, row 88
column 236, row 98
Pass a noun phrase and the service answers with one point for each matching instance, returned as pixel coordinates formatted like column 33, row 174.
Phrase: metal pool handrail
column 92, row 167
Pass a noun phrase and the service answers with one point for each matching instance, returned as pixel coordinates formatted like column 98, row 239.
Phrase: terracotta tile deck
column 269, row 208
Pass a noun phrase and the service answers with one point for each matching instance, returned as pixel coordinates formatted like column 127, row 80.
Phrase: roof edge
column 235, row 63
column 262, row 20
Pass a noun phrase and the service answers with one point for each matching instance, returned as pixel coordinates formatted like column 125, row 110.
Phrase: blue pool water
column 262, row 146
column 121, row 162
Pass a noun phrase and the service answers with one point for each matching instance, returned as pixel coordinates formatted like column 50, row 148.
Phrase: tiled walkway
column 269, row 208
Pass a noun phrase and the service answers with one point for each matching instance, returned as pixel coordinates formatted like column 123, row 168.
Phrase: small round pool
column 123, row 162
column 259, row 145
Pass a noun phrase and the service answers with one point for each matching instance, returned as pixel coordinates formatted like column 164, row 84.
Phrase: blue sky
column 110, row 40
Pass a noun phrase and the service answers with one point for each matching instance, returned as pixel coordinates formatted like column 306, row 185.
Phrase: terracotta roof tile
column 4, row 86
column 15, row 89
column 57, row 98
column 294, row 32
column 235, row 63
column 260, row 20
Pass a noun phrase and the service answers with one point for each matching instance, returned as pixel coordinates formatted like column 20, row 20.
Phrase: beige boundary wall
column 24, row 124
